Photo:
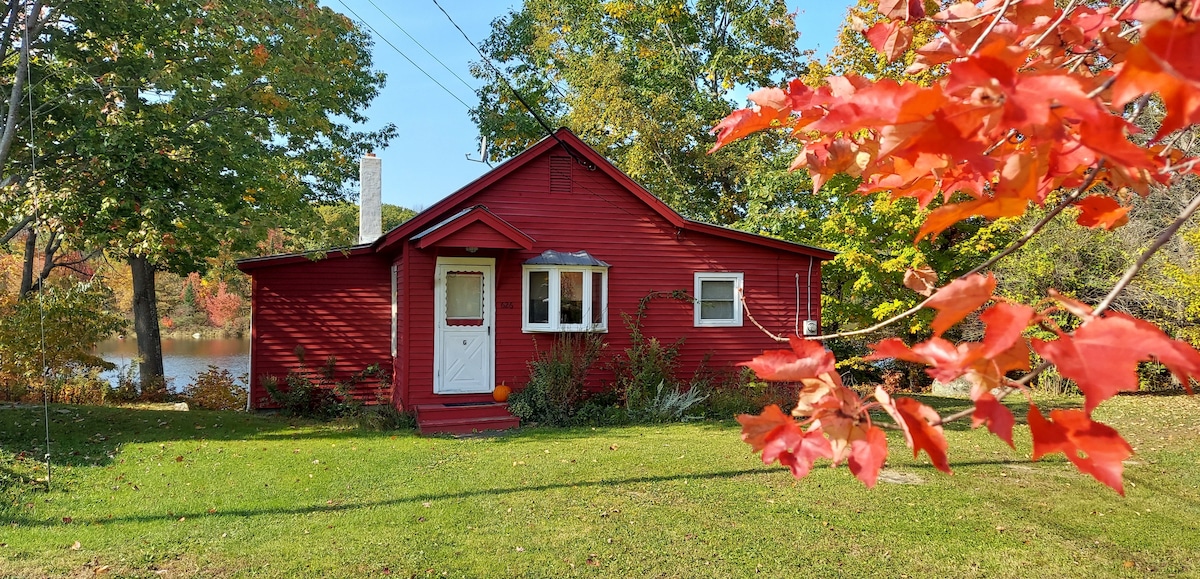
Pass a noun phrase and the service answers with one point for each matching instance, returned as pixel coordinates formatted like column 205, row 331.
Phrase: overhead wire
column 418, row 43
column 401, row 53
column 520, row 98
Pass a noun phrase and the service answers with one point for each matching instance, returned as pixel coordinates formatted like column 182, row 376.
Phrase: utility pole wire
column 418, row 43
column 488, row 61
column 401, row 53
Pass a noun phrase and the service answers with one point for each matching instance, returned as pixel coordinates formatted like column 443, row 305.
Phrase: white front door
column 463, row 349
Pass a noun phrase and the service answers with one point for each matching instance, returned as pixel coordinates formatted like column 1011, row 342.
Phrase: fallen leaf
column 76, row 546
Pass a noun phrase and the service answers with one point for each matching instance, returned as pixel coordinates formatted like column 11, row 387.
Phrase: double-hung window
column 565, row 297
column 718, row 299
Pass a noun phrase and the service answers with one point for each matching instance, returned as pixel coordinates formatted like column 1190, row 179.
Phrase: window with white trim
column 718, row 299
column 562, row 298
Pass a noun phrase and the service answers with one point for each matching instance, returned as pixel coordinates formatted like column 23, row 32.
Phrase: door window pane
column 464, row 296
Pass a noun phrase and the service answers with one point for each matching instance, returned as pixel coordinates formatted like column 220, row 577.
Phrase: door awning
column 474, row 227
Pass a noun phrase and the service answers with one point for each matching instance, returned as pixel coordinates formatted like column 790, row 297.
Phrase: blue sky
column 427, row 161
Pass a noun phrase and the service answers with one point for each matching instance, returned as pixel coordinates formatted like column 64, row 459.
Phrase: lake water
column 183, row 360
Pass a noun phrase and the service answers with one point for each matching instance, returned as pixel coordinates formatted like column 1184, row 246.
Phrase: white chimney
column 370, row 199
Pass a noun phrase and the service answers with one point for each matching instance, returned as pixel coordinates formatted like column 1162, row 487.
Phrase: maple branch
column 1124, row 7
column 979, row 16
column 1163, row 237
column 1066, row 12
column 880, row 325
column 746, row 308
column 991, row 27
column 1041, row 223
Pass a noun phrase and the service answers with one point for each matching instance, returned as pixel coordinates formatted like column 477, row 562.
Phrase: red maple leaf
column 867, row 455
column 757, row 428
column 959, row 298
column 1103, row 354
column 890, row 38
column 1101, row 211
column 1094, row 448
column 1005, row 323
column 998, row 417
column 992, row 208
column 806, row 359
column 902, row 9
column 1164, row 62
column 795, row 450
column 918, row 421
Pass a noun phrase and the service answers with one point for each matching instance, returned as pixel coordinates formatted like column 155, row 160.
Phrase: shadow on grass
column 415, row 499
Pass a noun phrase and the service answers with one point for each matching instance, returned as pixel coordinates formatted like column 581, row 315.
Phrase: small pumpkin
column 500, row 394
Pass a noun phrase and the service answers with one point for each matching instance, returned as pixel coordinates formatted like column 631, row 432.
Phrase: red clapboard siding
column 646, row 254
column 339, row 306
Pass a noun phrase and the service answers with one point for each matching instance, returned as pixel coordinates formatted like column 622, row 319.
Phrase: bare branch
column 991, row 26
column 1066, row 12
column 1037, row 227
column 749, row 315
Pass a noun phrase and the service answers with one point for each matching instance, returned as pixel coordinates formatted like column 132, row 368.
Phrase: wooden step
column 464, row 418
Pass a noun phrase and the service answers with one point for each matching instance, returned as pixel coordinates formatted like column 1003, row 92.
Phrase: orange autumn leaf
column 771, row 109
column 943, row 217
column 780, row 438
column 958, row 299
column 890, row 38
column 918, row 421
column 1165, row 62
column 1101, row 211
column 1005, row 323
column 1094, row 448
column 902, row 9
column 260, row 55
column 922, row 280
column 757, row 427
column 1102, row 356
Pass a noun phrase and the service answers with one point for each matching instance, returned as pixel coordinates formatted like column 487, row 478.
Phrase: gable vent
column 560, row 174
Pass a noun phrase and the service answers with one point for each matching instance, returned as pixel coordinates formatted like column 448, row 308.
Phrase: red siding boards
column 558, row 195
column 339, row 306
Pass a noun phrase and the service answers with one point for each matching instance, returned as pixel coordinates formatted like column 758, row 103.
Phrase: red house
column 557, row 239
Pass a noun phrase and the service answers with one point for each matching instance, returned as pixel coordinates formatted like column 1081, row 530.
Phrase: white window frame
column 738, row 280
column 555, row 276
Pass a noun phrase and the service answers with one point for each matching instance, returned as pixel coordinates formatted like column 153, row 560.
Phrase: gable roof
column 474, row 227
column 577, row 148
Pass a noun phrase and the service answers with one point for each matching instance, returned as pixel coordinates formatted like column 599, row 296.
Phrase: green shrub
column 55, row 329
column 741, row 393
column 557, row 380
column 646, row 364
column 216, row 389
column 318, row 394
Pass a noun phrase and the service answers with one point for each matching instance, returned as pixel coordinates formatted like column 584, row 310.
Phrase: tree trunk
column 27, row 270
column 145, row 322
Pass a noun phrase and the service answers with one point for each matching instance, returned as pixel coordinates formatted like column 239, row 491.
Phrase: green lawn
column 146, row 493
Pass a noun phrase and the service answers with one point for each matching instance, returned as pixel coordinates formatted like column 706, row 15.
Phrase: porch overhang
column 474, row 227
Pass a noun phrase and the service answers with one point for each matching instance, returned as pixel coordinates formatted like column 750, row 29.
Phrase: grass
column 148, row 493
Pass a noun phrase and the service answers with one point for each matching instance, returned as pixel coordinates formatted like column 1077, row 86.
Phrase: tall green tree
column 196, row 121
column 643, row 82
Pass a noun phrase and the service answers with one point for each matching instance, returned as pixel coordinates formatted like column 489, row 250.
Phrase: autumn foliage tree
column 1035, row 105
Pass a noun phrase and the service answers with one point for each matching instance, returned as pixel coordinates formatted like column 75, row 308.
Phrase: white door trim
column 487, row 382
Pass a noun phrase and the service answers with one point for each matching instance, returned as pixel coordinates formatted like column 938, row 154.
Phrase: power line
column 521, row 99
column 401, row 52
column 418, row 43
